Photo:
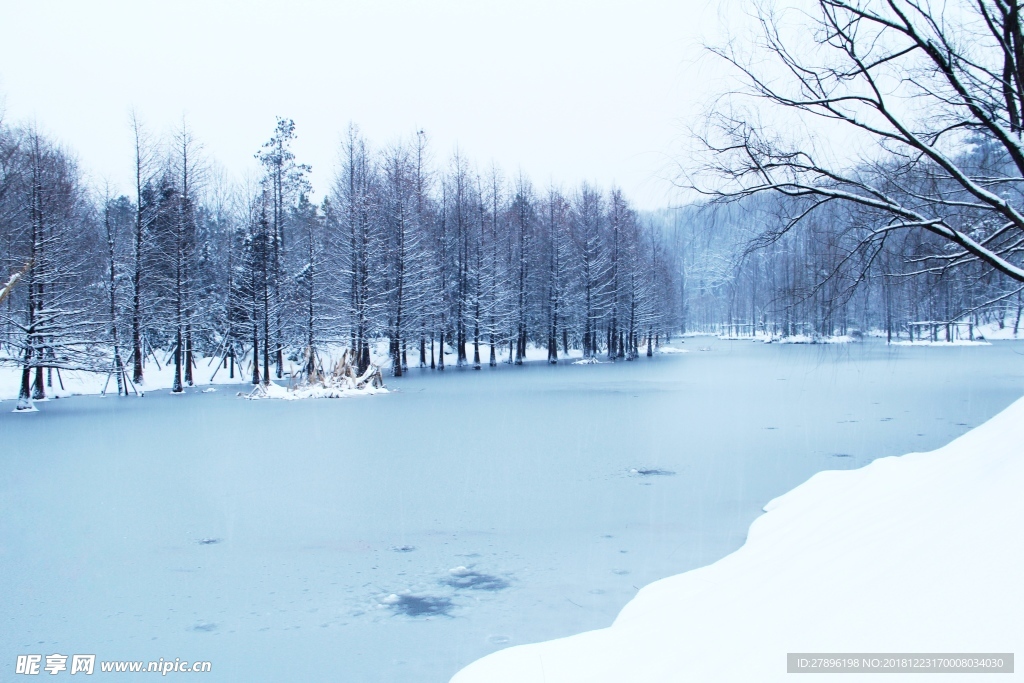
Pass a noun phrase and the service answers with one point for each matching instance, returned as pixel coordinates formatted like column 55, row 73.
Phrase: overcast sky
column 564, row 91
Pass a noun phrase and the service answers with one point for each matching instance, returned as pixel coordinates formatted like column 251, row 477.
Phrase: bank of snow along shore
column 922, row 553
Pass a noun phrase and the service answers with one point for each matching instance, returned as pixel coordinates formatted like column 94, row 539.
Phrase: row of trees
column 738, row 276
column 926, row 223
column 423, row 255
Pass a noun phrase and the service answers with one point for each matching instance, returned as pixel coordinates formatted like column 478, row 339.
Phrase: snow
column 207, row 374
column 919, row 553
column 671, row 349
column 9, row 285
column 80, row 383
column 260, row 535
column 297, row 393
column 760, row 336
column 807, row 339
column 940, row 344
column 993, row 331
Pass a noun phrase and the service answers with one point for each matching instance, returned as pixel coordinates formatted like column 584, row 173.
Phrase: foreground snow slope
column 919, row 553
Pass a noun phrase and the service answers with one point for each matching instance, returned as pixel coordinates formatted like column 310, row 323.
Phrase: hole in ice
column 461, row 577
column 652, row 472
column 841, row 455
column 418, row 605
column 403, row 548
column 208, row 541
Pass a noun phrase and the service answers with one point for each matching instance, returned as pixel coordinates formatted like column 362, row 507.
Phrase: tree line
column 440, row 258
column 426, row 256
column 743, row 271
column 925, row 224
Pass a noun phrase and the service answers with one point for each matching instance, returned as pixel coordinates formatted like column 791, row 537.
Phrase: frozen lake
column 399, row 537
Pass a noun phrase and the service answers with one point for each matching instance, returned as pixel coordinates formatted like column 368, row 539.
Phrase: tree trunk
column 255, row 352
column 189, row 360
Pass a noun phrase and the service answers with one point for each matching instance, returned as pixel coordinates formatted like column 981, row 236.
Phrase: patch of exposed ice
column 418, row 605
column 463, row 577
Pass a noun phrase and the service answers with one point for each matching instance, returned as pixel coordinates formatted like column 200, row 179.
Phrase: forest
column 432, row 255
column 424, row 255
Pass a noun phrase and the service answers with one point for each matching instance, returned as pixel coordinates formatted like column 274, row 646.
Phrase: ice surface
column 323, row 509
column 919, row 553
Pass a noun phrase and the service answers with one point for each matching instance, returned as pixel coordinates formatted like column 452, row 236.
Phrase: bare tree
column 934, row 89
column 115, row 213
column 287, row 181
column 187, row 170
column 143, row 173
column 54, row 312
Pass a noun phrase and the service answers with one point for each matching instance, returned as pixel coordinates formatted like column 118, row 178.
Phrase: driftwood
column 343, row 377
column 344, row 374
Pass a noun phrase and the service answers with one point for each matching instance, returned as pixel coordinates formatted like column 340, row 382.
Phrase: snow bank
column 955, row 342
column 277, row 391
column 993, row 331
column 918, row 553
column 208, row 372
column 78, row 382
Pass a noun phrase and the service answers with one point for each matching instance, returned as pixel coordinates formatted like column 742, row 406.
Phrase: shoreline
column 911, row 553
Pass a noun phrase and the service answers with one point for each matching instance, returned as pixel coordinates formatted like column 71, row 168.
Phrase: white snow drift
column 919, row 553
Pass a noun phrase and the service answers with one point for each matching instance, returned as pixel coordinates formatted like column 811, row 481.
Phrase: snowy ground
column 941, row 344
column 916, row 554
column 403, row 536
column 209, row 372
column 993, row 331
